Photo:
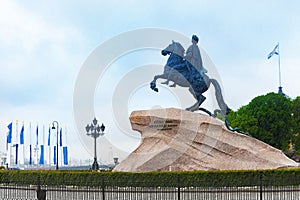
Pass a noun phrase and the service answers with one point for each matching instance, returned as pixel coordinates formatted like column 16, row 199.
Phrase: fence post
column 103, row 188
column 41, row 194
column 261, row 185
column 178, row 185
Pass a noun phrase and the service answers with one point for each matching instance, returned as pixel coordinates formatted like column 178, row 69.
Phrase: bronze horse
column 178, row 71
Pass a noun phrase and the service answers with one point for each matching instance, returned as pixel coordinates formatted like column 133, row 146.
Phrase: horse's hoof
column 189, row 109
column 152, row 85
column 192, row 109
column 155, row 89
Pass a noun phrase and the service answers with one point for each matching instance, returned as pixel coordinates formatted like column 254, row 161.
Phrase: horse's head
column 174, row 47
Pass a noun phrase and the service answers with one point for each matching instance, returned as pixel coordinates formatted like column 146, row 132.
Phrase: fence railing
column 262, row 187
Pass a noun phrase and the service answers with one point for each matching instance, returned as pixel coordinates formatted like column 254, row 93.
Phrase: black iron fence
column 179, row 187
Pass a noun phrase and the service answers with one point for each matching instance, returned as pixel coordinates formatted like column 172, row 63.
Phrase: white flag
column 274, row 51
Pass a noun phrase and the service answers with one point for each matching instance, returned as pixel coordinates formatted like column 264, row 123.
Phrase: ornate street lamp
column 57, row 127
column 116, row 161
column 94, row 130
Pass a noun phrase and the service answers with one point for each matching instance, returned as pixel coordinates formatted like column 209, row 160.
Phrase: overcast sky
column 44, row 45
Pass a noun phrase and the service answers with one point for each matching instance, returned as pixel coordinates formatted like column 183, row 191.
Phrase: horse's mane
column 180, row 49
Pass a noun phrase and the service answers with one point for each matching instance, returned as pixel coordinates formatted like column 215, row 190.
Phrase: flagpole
column 10, row 155
column 61, row 146
column 16, row 144
column 279, row 71
column 7, row 143
column 49, row 146
column 41, row 161
column 30, row 148
column 23, row 146
column 36, row 150
column 66, row 148
column 43, row 142
column 9, row 152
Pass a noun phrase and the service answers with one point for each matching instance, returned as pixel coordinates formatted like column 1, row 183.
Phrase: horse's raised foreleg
column 153, row 83
column 165, row 82
column 168, row 70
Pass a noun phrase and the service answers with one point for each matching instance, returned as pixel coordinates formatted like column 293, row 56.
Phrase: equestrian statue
column 188, row 71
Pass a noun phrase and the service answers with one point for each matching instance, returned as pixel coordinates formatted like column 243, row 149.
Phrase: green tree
column 267, row 118
column 296, row 124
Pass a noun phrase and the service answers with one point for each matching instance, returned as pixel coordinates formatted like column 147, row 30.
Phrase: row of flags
column 19, row 140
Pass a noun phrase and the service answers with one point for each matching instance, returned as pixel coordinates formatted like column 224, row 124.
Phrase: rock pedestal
column 179, row 140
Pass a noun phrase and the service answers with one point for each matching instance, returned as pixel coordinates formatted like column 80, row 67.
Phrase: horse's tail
column 218, row 92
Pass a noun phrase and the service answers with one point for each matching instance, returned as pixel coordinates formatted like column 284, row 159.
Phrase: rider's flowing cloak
column 193, row 56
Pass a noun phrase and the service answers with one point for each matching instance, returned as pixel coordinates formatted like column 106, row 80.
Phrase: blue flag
column 65, row 152
column 54, row 157
column 37, row 135
column 42, row 155
column 30, row 155
column 60, row 137
column 49, row 131
column 9, row 135
column 274, row 51
column 22, row 135
column 17, row 147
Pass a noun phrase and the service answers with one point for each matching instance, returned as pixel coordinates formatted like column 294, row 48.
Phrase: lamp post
column 116, row 161
column 57, row 127
column 94, row 130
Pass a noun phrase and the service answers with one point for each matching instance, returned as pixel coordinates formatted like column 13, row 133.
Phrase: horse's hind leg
column 197, row 104
column 200, row 99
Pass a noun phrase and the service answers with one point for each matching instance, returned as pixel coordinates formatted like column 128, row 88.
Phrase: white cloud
column 28, row 37
column 19, row 27
column 36, row 53
column 39, row 62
